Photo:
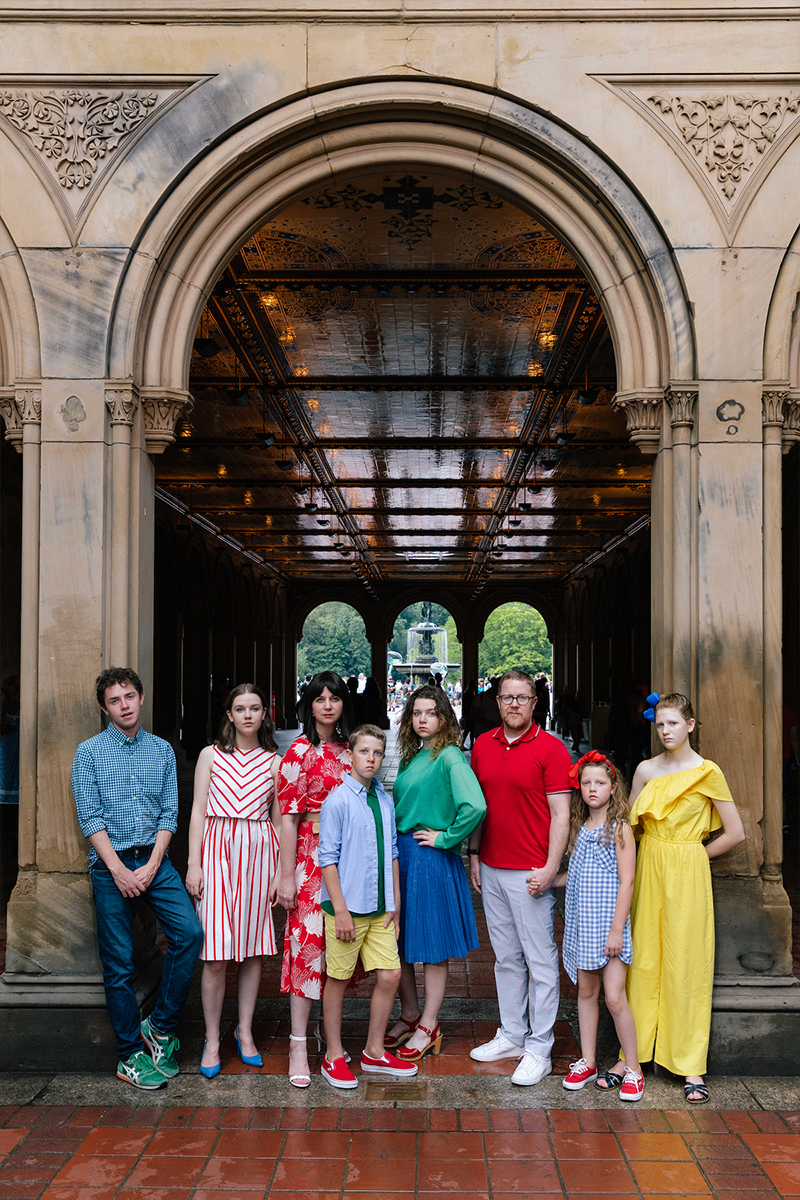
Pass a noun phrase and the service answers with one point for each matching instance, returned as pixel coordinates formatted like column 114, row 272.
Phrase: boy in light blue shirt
column 360, row 902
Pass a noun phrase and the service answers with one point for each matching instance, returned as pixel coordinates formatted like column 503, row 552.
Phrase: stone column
column 682, row 398
column 83, row 512
column 121, row 402
column 379, row 644
column 22, row 412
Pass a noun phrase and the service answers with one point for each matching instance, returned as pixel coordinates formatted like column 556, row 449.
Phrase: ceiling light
column 268, row 440
column 285, row 464
column 525, row 505
column 537, row 487
column 515, row 520
column 241, row 399
column 588, row 395
column 323, row 521
column 338, row 545
column 310, row 506
column 564, row 437
column 206, row 347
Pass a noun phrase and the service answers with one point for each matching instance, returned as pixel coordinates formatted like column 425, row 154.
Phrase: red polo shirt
column 515, row 778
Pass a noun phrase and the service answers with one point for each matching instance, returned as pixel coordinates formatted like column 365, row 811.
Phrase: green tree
column 334, row 640
column 515, row 636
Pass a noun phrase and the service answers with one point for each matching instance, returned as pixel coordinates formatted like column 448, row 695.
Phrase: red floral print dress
column 307, row 775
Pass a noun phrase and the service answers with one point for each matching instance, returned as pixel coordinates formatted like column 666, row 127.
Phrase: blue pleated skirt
column 436, row 916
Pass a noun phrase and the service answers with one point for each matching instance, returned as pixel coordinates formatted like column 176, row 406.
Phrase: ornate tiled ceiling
column 420, row 351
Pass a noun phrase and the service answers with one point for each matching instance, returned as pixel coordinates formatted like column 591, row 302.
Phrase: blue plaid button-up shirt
column 127, row 786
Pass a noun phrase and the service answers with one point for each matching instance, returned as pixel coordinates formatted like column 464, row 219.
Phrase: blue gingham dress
column 592, row 886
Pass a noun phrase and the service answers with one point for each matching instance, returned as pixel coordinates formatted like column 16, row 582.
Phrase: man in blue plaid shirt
column 126, row 791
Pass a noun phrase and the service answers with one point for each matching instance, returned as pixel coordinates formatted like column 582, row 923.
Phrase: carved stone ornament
column 162, row 410
column 121, row 403
column 681, row 401
column 773, row 399
column 643, row 414
column 20, row 406
column 73, row 133
column 791, row 419
column 730, row 131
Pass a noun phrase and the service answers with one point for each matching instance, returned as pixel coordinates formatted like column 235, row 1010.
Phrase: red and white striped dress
column 239, row 857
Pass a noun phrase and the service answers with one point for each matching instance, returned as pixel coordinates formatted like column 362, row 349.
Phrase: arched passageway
column 427, row 335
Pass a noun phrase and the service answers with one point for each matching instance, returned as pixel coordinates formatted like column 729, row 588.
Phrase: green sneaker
column 139, row 1071
column 162, row 1047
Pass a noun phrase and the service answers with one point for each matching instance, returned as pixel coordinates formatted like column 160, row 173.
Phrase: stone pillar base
column 755, row 1026
column 60, row 1022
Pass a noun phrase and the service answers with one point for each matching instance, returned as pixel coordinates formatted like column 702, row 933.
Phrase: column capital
column 162, row 408
column 20, row 405
column 643, row 411
column 122, row 399
column 774, row 393
column 682, row 398
column 791, row 419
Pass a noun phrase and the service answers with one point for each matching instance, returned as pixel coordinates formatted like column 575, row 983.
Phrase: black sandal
column 611, row 1080
column 688, row 1088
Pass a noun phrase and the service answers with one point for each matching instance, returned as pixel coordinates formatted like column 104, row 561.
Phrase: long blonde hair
column 617, row 810
column 449, row 732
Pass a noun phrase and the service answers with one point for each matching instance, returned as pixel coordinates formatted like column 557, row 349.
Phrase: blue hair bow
column 652, row 701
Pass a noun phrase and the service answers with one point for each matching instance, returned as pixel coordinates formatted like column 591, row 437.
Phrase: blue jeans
column 169, row 900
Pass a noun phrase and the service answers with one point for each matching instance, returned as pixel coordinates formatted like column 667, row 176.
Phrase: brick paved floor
column 127, row 1153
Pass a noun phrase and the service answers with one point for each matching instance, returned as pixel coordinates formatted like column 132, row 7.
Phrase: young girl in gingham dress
column 597, row 927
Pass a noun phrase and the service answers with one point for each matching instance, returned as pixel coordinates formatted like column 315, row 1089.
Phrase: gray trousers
column 526, row 967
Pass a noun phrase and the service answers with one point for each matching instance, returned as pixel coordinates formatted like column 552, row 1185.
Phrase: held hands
column 426, row 837
column 539, row 880
column 345, row 927
column 194, row 882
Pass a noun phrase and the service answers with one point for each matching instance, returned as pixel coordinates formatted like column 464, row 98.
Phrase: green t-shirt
column 375, row 809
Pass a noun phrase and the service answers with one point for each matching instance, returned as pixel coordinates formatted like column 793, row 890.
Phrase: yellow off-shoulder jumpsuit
column 672, row 917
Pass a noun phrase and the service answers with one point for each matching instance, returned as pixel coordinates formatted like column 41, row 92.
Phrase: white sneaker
column 531, row 1070
column 499, row 1047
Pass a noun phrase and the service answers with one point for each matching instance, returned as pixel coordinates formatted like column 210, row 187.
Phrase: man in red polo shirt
column 515, row 855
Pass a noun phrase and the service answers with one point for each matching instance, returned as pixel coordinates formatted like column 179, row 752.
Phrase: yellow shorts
column 376, row 945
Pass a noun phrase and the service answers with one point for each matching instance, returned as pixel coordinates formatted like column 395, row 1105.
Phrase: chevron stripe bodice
column 241, row 784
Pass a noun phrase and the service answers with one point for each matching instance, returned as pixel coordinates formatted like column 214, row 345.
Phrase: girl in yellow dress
column 677, row 800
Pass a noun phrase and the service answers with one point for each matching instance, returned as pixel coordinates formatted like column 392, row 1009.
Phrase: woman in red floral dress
column 315, row 763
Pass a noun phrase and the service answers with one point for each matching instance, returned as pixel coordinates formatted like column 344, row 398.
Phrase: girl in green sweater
column 437, row 804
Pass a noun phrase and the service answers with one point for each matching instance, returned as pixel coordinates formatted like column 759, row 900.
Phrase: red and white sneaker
column 579, row 1074
column 338, row 1074
column 388, row 1065
column 632, row 1086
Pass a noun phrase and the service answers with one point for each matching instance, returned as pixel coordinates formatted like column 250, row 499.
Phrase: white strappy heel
column 299, row 1081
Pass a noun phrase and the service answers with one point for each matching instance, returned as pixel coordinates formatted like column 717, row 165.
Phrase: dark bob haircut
column 305, row 711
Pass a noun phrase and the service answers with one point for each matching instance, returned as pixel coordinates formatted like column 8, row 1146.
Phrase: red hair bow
column 594, row 756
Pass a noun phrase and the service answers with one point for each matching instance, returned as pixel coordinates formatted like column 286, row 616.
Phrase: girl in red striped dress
column 233, row 863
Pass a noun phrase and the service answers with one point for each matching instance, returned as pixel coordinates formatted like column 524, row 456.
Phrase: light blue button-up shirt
column 347, row 841
column 127, row 786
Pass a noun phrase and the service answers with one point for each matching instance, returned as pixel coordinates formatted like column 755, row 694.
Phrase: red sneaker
column 338, row 1074
column 580, row 1073
column 632, row 1086
column 388, row 1065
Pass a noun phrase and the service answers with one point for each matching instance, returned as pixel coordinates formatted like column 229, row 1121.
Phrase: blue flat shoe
column 249, row 1060
column 209, row 1072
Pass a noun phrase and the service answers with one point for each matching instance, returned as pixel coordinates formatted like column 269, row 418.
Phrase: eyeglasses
column 517, row 700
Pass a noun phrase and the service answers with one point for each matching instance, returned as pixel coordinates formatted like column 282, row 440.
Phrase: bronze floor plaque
column 397, row 1091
